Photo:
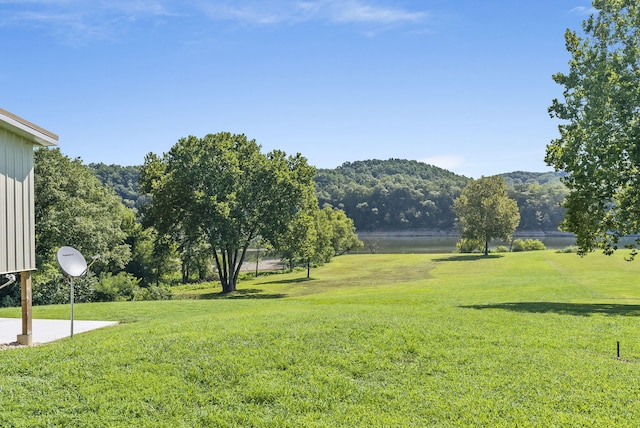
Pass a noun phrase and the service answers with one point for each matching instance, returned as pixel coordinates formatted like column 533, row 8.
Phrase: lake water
column 394, row 244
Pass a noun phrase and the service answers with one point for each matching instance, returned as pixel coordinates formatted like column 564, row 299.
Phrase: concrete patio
column 47, row 330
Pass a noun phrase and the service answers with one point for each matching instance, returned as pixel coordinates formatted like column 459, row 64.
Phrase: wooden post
column 26, row 338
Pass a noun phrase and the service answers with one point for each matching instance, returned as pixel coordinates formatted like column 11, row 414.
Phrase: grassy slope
column 375, row 340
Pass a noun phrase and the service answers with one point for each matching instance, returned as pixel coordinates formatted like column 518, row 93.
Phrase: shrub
column 10, row 295
column 153, row 292
column 527, row 245
column 9, row 301
column 569, row 249
column 51, row 287
column 111, row 288
column 468, row 246
column 501, row 249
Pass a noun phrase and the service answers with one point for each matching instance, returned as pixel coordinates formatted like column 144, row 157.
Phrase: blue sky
column 464, row 85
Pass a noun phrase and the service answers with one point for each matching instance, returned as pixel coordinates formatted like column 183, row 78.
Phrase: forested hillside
column 392, row 194
column 396, row 194
column 124, row 180
column 538, row 196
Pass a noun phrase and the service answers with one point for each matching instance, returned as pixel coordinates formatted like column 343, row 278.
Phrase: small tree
column 486, row 212
column 316, row 235
column 299, row 241
column 343, row 231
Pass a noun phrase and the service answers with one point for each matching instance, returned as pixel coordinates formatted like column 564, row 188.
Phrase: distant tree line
column 107, row 210
column 396, row 194
column 125, row 182
column 392, row 195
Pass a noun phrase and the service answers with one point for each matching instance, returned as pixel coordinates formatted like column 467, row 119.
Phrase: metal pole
column 71, row 296
column 257, row 259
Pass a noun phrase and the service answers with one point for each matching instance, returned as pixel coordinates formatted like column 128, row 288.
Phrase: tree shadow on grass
column 288, row 281
column 577, row 309
column 467, row 257
column 249, row 293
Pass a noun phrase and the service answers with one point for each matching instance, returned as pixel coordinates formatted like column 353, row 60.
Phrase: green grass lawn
column 519, row 339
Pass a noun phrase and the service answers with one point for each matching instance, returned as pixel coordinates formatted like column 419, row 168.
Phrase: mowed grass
column 522, row 339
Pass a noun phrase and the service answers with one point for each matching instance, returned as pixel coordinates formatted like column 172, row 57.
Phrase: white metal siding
column 17, row 224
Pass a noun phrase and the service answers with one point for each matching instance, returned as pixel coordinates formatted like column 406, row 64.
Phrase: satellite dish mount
column 73, row 263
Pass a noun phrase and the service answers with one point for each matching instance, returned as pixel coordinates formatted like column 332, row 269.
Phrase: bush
column 468, row 246
column 569, row 249
column 112, row 288
column 9, row 301
column 51, row 287
column 153, row 292
column 10, row 295
column 527, row 245
column 125, row 286
column 501, row 249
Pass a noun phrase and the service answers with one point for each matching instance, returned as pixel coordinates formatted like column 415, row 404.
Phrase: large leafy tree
column 486, row 211
column 223, row 189
column 73, row 208
column 599, row 143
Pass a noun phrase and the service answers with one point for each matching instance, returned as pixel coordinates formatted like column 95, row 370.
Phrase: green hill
column 405, row 195
column 396, row 194
column 392, row 194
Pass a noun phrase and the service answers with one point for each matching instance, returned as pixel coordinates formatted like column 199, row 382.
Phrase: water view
column 390, row 243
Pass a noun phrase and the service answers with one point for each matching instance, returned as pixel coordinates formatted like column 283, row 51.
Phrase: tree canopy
column 124, row 180
column 395, row 194
column 486, row 211
column 599, row 147
column 316, row 235
column 222, row 189
column 391, row 194
column 73, row 208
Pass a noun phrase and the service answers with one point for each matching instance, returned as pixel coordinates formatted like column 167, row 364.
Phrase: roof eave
column 39, row 136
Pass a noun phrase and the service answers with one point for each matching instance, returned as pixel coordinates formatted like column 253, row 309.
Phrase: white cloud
column 335, row 11
column 77, row 20
column 582, row 10
column 347, row 11
column 249, row 12
column 449, row 162
column 89, row 8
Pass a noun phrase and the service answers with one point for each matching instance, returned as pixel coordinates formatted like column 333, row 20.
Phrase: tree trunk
column 228, row 287
column 221, row 266
column 486, row 247
column 229, row 267
column 185, row 272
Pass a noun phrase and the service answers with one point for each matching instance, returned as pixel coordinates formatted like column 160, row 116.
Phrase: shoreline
column 449, row 234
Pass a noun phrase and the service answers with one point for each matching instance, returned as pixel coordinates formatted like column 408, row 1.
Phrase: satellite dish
column 71, row 261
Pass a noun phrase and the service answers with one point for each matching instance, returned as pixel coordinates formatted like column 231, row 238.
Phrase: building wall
column 17, row 220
